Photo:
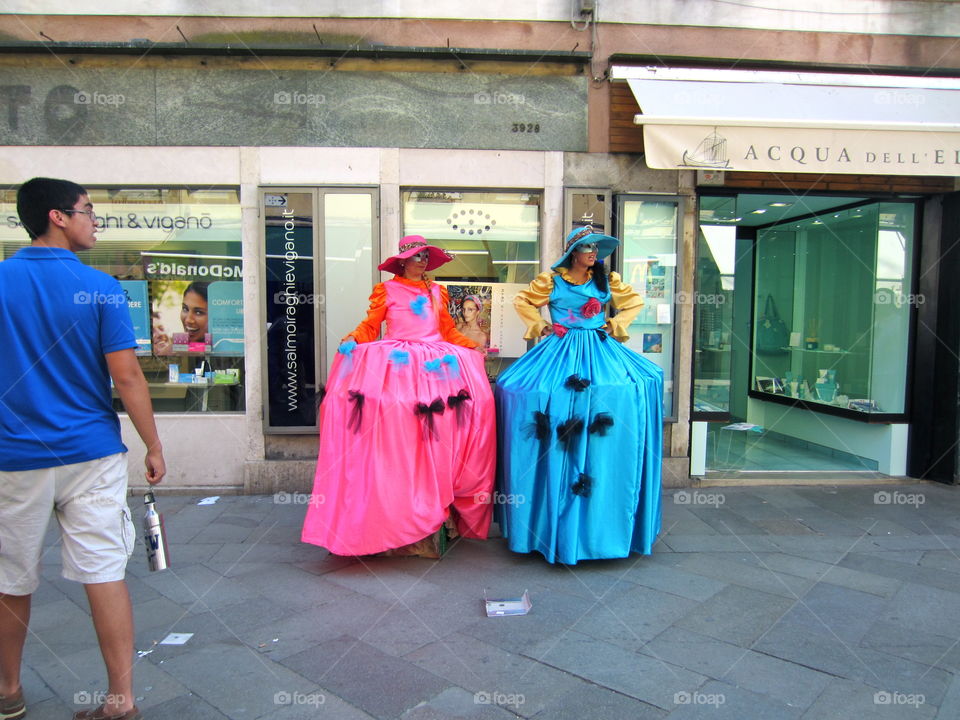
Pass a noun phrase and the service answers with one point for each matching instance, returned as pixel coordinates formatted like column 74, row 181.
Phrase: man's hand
column 156, row 467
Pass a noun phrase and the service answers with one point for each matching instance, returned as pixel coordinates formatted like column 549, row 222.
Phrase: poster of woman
column 470, row 307
column 180, row 315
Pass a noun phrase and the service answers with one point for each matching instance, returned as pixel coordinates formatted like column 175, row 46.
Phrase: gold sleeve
column 628, row 304
column 526, row 302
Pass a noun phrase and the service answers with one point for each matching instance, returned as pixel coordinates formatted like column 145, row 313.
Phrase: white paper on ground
column 209, row 500
column 176, row 639
column 504, row 606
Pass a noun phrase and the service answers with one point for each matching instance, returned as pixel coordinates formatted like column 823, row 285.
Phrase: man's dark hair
column 37, row 197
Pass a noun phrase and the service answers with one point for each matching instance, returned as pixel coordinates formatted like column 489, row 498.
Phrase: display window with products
column 805, row 364
column 177, row 255
column 832, row 308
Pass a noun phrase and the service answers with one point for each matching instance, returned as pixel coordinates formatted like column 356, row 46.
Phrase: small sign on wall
column 710, row 177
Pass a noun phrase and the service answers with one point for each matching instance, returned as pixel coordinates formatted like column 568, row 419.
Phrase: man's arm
column 132, row 387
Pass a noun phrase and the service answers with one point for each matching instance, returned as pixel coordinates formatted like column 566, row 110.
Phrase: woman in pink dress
column 407, row 434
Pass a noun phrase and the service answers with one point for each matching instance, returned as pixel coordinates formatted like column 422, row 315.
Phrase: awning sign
column 802, row 150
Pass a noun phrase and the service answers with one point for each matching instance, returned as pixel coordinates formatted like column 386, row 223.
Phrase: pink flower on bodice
column 591, row 307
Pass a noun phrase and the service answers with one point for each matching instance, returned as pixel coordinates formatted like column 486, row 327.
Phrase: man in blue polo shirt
column 65, row 331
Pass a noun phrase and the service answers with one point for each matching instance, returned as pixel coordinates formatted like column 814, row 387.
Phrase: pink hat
column 410, row 246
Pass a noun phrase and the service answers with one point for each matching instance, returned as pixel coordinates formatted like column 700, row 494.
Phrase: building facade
column 787, row 205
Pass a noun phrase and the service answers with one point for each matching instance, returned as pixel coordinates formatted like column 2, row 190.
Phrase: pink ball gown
column 407, row 433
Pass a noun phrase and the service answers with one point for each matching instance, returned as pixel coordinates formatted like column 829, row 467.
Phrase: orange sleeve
column 447, row 327
column 369, row 329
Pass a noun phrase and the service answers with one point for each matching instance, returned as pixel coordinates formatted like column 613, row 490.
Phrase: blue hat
column 584, row 236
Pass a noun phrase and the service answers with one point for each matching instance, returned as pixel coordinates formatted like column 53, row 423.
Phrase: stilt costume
column 407, row 432
column 580, row 422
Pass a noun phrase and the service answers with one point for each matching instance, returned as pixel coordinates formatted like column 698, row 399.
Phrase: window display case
column 176, row 253
column 831, row 311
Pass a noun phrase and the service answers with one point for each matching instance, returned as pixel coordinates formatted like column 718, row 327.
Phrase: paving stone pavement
column 780, row 602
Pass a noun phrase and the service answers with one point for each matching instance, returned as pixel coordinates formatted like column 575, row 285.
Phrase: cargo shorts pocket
column 128, row 532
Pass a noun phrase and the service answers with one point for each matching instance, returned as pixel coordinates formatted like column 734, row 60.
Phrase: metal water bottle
column 154, row 536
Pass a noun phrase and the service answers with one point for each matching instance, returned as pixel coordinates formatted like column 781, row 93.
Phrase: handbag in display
column 772, row 336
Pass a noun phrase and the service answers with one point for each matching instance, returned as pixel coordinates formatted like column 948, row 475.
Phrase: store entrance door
column 802, row 334
column 934, row 451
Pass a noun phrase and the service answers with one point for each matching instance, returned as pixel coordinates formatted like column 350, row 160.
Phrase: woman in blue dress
column 580, row 418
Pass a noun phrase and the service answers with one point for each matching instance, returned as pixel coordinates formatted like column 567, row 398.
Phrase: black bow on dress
column 582, row 486
column 601, row 423
column 427, row 412
column 456, row 402
column 541, row 425
column 356, row 415
column 568, row 431
column 577, row 383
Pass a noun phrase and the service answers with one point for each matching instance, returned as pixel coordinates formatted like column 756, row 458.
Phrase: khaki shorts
column 89, row 500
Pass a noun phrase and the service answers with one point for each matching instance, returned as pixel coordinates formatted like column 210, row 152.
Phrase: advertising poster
column 180, row 302
column 506, row 327
column 653, row 343
column 470, row 307
column 180, row 315
column 496, row 324
column 225, row 299
column 136, row 292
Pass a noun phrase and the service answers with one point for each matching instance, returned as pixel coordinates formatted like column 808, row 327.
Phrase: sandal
column 100, row 714
column 12, row 707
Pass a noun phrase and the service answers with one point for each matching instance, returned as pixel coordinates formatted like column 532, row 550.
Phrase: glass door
column 320, row 250
column 649, row 226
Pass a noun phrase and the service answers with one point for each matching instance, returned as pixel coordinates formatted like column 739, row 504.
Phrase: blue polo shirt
column 57, row 319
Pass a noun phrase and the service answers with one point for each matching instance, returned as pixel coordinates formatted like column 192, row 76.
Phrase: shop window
column 495, row 236
column 649, row 229
column 832, row 303
column 177, row 255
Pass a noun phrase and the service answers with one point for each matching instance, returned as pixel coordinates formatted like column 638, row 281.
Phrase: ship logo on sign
column 710, row 153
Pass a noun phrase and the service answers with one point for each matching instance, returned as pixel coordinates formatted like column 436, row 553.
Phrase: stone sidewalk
column 758, row 602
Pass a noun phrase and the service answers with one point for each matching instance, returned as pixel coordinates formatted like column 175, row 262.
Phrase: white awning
column 775, row 121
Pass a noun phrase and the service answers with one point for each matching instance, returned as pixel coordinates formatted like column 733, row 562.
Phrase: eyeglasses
column 89, row 213
column 422, row 256
column 587, row 247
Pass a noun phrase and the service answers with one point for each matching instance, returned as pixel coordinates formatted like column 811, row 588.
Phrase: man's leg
column 113, row 620
column 14, row 617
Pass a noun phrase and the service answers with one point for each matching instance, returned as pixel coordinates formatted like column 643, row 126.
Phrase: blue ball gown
column 580, row 433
